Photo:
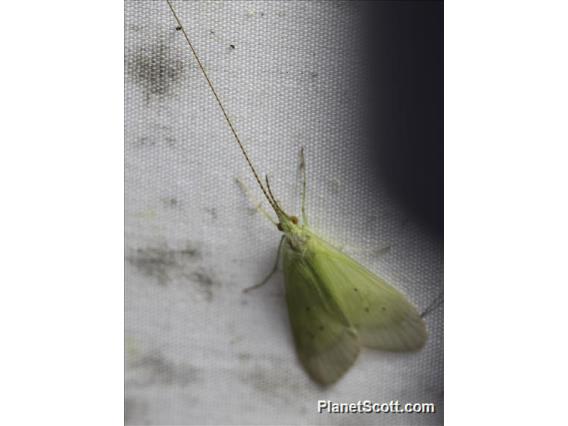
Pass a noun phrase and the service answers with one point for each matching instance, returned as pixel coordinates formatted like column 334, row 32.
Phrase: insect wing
column 382, row 316
column 326, row 343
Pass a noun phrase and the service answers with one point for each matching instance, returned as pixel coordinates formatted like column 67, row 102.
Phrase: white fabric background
column 198, row 350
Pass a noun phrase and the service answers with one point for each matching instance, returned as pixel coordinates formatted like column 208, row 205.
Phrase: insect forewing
column 382, row 316
column 326, row 343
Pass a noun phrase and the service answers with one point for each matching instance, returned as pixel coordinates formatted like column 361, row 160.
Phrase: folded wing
column 382, row 316
column 326, row 343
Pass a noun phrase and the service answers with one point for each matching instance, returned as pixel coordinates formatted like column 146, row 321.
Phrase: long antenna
column 241, row 146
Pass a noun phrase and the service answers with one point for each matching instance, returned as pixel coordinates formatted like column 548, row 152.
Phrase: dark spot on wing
column 366, row 309
column 355, row 289
column 232, row 46
column 383, row 308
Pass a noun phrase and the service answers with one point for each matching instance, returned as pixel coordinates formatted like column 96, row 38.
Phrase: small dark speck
column 170, row 202
column 145, row 141
column 314, row 75
column 322, row 327
column 366, row 309
column 384, row 308
column 232, row 46
column 355, row 289
column 213, row 212
column 178, row 28
column 307, row 309
column 190, row 251
column 212, row 32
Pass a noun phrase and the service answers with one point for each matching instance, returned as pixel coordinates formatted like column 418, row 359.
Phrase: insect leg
column 437, row 302
column 353, row 250
column 256, row 204
column 381, row 251
column 274, row 269
column 303, row 200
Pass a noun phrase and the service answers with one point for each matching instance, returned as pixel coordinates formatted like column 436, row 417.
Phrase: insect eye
column 279, row 226
column 294, row 220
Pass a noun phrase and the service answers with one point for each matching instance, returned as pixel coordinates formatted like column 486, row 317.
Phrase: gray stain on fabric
column 156, row 70
column 213, row 212
column 269, row 376
column 170, row 141
column 274, row 381
column 146, row 141
column 154, row 369
column 163, row 263
column 205, row 282
column 170, row 202
column 135, row 411
column 244, row 357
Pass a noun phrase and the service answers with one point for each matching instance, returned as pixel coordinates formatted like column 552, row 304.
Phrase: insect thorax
column 297, row 238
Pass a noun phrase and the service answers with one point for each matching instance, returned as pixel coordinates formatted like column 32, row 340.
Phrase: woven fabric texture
column 198, row 350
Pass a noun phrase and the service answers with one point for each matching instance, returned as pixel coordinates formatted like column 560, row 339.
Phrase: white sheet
column 198, row 350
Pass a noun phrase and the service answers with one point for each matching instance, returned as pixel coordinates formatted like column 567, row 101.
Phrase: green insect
column 335, row 304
